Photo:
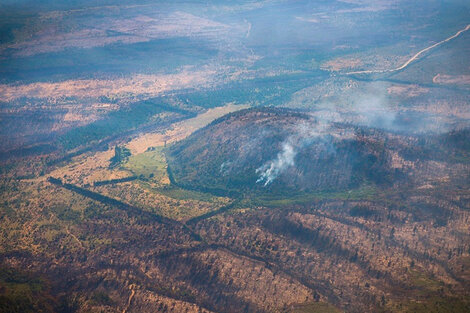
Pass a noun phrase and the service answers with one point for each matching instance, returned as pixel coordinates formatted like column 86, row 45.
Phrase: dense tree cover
column 259, row 92
column 231, row 154
column 118, row 122
column 121, row 154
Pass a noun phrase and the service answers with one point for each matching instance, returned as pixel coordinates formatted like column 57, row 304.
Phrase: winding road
column 414, row 57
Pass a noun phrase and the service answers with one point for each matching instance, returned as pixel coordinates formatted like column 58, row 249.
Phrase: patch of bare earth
column 342, row 64
column 140, row 84
column 407, row 90
column 87, row 169
column 443, row 79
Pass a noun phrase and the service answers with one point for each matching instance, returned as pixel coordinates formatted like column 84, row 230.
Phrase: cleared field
column 150, row 85
column 150, row 165
column 87, row 169
column 180, row 130
column 152, row 190
column 177, row 204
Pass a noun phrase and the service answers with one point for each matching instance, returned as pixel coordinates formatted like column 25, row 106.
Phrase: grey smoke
column 225, row 167
column 302, row 135
column 368, row 108
column 270, row 170
column 373, row 109
column 371, row 106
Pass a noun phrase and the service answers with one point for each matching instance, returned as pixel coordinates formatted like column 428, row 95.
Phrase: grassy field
column 363, row 193
column 180, row 130
column 434, row 304
column 152, row 189
column 149, row 165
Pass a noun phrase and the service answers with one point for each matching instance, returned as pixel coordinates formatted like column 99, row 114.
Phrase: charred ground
column 354, row 199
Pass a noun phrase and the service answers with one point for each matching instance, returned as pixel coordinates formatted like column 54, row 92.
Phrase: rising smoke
column 270, row 170
column 369, row 108
column 303, row 135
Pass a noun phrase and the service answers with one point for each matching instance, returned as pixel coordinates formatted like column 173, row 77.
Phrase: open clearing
column 180, row 130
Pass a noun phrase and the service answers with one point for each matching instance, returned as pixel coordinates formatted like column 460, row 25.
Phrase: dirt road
column 414, row 57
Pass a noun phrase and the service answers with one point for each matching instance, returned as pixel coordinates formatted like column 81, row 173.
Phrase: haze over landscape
column 235, row 156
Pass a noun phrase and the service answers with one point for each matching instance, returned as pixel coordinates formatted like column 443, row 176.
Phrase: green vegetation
column 66, row 213
column 162, row 54
column 274, row 90
column 267, row 209
column 24, row 293
column 424, row 284
column 365, row 192
column 149, row 165
column 432, row 296
column 434, row 304
column 121, row 155
column 225, row 157
column 151, row 169
column 177, row 193
column 117, row 122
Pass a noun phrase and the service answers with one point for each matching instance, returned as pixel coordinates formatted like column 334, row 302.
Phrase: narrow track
column 414, row 57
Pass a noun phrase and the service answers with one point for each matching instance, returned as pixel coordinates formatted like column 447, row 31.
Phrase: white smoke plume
column 304, row 134
column 369, row 108
column 270, row 170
